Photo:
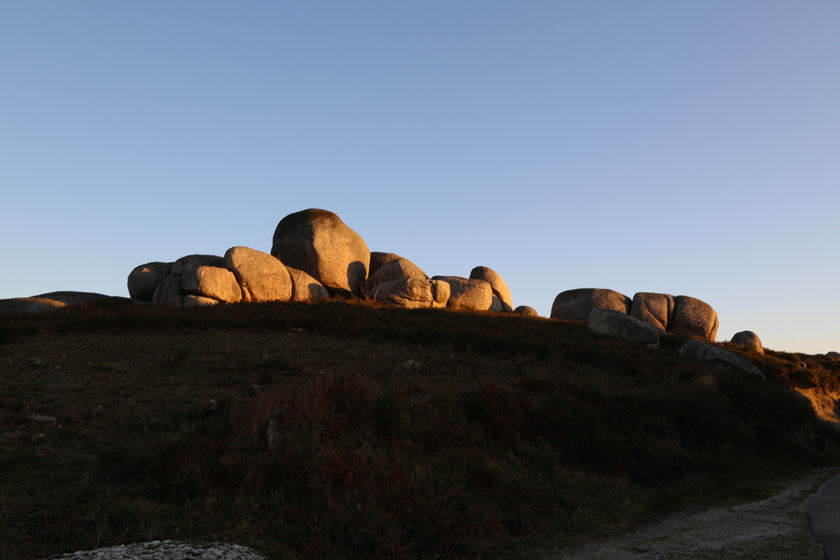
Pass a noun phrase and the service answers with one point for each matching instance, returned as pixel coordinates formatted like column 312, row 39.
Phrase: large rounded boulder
column 306, row 288
column 576, row 305
column 261, row 276
column 695, row 318
column 320, row 244
column 497, row 284
column 144, row 280
column 656, row 309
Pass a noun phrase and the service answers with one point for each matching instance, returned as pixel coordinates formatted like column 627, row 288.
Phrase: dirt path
column 775, row 528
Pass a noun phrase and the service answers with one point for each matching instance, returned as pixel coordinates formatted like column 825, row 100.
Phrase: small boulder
column 656, row 309
column 468, row 294
column 526, row 311
column 396, row 269
column 705, row 353
column 693, row 317
column 749, row 340
column 212, row 282
column 144, row 279
column 413, row 293
column 497, row 284
column 169, row 292
column 261, row 276
column 306, row 288
column 621, row 325
column 575, row 305
column 320, row 244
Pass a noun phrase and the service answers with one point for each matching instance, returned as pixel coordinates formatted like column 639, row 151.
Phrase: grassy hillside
column 347, row 430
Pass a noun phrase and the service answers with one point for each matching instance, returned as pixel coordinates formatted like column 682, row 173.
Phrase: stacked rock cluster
column 314, row 256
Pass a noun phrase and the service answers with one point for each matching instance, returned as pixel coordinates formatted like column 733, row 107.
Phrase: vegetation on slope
column 304, row 432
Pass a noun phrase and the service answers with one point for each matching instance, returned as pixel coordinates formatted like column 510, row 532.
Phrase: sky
column 688, row 148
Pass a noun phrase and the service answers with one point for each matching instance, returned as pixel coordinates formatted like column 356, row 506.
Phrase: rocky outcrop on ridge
column 314, row 256
column 679, row 315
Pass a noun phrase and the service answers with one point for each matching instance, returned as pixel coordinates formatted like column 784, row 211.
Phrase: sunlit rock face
column 749, row 340
column 320, row 244
column 211, row 282
column 397, row 269
column 497, row 284
column 576, row 305
column 305, row 288
column 413, row 293
column 261, row 276
column 468, row 294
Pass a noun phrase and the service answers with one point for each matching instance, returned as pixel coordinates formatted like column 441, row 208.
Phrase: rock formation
column 703, row 352
column 396, row 269
column 306, row 288
column 497, row 284
column 320, row 244
column 526, row 311
column 656, row 309
column 413, row 293
column 575, row 305
column 144, row 280
column 260, row 276
column 749, row 340
column 468, row 294
column 211, row 282
column 618, row 324
column 694, row 318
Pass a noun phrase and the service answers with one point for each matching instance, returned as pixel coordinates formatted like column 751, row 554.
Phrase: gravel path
column 773, row 529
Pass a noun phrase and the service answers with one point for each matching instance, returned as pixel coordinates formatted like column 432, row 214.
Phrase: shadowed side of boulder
column 702, row 352
column 617, row 324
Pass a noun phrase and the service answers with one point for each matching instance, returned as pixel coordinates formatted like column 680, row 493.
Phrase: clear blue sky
column 680, row 147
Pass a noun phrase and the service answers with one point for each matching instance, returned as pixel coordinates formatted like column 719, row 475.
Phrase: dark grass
column 291, row 428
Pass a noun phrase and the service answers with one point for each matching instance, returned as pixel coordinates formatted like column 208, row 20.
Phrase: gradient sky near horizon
column 652, row 146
